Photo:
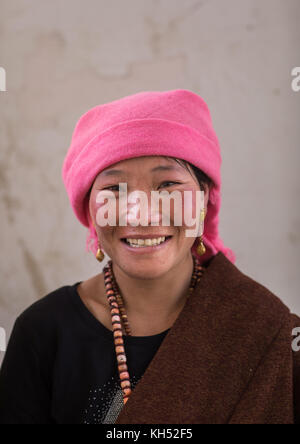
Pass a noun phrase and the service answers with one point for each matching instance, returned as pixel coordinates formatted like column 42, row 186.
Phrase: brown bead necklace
column 119, row 317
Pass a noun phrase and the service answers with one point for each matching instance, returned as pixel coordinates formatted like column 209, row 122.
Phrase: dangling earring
column 201, row 247
column 99, row 254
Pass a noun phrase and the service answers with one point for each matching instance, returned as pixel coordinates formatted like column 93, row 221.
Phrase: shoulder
column 249, row 302
column 50, row 311
column 254, row 316
column 258, row 299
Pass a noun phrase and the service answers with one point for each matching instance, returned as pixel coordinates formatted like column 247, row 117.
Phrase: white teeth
column 145, row 242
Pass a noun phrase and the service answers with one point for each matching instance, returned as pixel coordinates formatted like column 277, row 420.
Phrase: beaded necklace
column 119, row 317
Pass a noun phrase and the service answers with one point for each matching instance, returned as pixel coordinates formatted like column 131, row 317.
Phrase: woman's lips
column 144, row 236
column 145, row 249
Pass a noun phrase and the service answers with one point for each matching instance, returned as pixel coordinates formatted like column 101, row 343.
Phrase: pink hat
column 175, row 123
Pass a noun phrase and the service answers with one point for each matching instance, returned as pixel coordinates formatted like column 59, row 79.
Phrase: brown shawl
column 227, row 358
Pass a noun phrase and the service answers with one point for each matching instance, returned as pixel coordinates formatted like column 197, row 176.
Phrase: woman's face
column 142, row 174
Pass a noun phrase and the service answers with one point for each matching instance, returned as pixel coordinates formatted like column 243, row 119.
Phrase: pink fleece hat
column 175, row 123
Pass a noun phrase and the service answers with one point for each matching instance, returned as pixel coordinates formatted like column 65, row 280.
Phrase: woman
column 171, row 332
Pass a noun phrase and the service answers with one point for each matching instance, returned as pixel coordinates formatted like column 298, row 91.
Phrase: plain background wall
column 64, row 57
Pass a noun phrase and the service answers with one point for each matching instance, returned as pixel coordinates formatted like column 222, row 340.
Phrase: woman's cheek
column 104, row 209
column 190, row 206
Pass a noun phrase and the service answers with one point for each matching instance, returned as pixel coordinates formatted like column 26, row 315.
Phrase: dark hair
column 200, row 175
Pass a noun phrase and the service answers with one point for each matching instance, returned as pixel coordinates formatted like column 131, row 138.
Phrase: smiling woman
column 170, row 331
column 148, row 175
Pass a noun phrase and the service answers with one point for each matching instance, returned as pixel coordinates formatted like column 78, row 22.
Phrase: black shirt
column 60, row 366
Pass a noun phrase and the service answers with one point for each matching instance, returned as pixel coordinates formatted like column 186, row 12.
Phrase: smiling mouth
column 142, row 243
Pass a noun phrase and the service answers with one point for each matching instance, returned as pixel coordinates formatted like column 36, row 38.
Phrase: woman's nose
column 142, row 209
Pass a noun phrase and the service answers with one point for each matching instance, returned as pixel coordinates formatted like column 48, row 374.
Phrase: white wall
column 63, row 57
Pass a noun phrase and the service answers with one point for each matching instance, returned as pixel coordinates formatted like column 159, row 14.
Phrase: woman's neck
column 155, row 300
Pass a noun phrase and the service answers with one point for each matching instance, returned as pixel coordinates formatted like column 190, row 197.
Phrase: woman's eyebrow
column 165, row 168
column 113, row 172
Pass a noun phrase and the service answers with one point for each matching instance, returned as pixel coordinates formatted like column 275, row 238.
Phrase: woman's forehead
column 147, row 163
column 144, row 160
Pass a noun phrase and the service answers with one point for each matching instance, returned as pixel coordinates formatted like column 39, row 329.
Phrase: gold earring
column 99, row 254
column 202, row 215
column 201, row 247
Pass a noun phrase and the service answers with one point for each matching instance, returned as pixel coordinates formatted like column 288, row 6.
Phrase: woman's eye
column 113, row 186
column 117, row 188
column 166, row 183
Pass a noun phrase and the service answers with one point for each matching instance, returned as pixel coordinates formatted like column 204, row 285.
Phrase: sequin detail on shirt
column 105, row 404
